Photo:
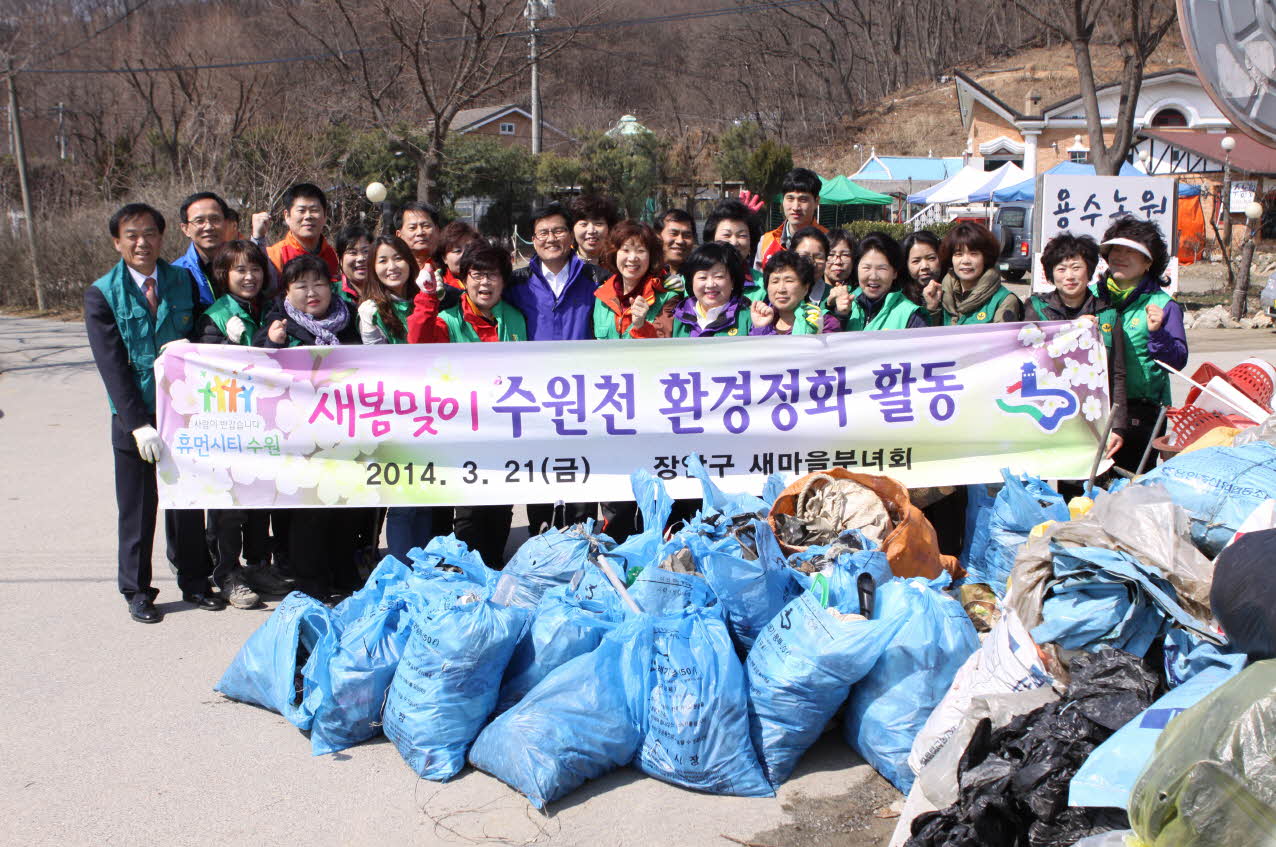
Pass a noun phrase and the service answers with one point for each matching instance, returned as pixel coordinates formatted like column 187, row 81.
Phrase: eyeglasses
column 484, row 276
column 546, row 234
column 841, row 254
column 211, row 220
column 813, row 258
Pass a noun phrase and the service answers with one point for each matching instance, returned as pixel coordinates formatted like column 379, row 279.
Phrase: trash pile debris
column 1088, row 674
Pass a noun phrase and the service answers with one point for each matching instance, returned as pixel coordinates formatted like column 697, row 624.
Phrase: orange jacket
column 772, row 243
column 659, row 323
column 282, row 252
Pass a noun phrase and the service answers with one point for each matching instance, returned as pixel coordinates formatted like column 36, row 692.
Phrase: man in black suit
column 140, row 305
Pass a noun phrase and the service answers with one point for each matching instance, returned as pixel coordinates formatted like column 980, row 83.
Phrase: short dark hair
column 549, row 210
column 306, row 191
column 415, row 206
column 232, row 216
column 681, row 216
column 225, row 258
column 1065, row 245
column 894, row 254
column 626, row 230
column 593, row 207
column 295, row 269
column 349, row 236
column 732, row 210
column 1146, row 233
column 790, row 260
column 134, row 210
column 802, row 180
column 202, row 195
column 972, row 236
column 484, row 256
column 455, row 234
column 705, row 256
column 810, row 232
column 921, row 236
column 840, row 236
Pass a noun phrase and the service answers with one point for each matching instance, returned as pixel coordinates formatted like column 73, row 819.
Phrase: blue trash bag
column 1022, row 503
column 295, row 640
column 979, row 502
column 360, row 669
column 654, row 504
column 772, row 490
column 581, row 721
column 1219, row 487
column 890, row 705
column 658, row 591
column 697, row 729
column 842, row 561
column 390, row 572
column 550, row 559
column 802, row 668
column 447, row 683
column 563, row 626
column 1108, row 774
column 448, row 551
column 1186, row 654
column 1100, row 597
column 717, row 500
column 753, row 584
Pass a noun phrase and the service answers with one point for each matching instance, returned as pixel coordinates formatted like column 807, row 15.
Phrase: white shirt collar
column 557, row 281
column 140, row 278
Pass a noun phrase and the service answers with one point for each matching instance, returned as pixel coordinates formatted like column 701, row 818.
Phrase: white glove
column 149, row 443
column 235, row 329
column 368, row 331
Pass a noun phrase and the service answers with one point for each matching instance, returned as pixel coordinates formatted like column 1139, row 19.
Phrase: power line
column 319, row 57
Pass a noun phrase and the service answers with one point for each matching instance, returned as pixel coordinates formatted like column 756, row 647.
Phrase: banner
column 528, row 422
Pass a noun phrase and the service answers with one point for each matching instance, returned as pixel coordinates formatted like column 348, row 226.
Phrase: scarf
column 956, row 303
column 1118, row 295
column 706, row 317
column 324, row 329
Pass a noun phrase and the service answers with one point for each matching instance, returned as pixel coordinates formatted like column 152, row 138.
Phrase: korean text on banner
column 527, row 422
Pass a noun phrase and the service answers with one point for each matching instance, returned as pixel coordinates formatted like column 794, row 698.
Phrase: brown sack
column 912, row 548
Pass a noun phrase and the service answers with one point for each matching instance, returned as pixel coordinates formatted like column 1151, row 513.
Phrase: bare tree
column 416, row 63
column 1137, row 27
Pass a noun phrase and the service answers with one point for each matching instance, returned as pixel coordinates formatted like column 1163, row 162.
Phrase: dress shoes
column 142, row 610
column 205, row 601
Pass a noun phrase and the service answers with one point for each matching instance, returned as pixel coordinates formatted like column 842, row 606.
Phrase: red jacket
column 659, row 323
column 282, row 252
column 426, row 327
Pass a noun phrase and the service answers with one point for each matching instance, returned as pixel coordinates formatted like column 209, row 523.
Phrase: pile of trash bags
column 708, row 656
column 1089, row 669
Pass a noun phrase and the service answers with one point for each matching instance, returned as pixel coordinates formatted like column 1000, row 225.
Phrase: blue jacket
column 566, row 318
column 190, row 261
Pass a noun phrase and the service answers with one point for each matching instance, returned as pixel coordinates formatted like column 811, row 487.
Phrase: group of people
column 592, row 276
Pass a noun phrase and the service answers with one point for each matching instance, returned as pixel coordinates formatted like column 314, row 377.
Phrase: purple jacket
column 566, row 318
column 829, row 321
column 687, row 325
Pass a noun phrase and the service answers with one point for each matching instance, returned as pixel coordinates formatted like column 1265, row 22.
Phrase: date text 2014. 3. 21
column 560, row 469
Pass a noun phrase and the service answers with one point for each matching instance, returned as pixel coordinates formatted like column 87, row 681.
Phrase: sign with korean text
column 1088, row 205
column 527, row 422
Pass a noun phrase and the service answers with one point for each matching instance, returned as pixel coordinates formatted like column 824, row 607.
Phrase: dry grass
column 923, row 119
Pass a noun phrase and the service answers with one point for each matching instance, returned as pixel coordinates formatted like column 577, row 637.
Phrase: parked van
column 1013, row 228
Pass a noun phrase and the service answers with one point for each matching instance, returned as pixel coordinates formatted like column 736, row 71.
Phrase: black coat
column 348, row 334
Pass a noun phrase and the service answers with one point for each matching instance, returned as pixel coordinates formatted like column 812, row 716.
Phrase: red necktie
column 152, row 299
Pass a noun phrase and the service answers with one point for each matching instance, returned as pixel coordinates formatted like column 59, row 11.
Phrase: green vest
column 144, row 334
column 743, row 323
column 754, row 287
column 808, row 319
column 986, row 315
column 894, row 314
column 402, row 308
column 227, row 307
column 510, row 325
column 1144, row 378
column 605, row 318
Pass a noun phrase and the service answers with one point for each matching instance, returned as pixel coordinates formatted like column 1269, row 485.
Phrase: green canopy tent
column 841, row 201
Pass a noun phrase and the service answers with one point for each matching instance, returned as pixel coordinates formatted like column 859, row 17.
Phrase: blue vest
column 143, row 333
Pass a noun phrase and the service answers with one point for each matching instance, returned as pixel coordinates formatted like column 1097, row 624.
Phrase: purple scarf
column 324, row 329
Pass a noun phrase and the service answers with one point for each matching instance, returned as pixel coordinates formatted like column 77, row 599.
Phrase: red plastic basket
column 1247, row 378
column 1188, row 423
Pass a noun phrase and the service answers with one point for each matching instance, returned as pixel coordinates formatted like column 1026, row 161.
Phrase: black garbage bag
column 1243, row 596
column 1014, row 780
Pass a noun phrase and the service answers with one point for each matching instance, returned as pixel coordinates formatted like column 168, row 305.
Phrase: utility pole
column 20, row 155
column 61, row 110
column 535, row 11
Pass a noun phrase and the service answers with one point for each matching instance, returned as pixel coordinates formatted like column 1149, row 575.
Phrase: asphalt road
column 118, row 737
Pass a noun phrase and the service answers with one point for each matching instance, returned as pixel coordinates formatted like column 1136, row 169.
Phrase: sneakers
column 266, row 580
column 239, row 595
